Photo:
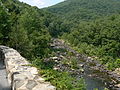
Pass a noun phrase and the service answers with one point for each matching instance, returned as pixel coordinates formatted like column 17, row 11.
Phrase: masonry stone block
column 21, row 75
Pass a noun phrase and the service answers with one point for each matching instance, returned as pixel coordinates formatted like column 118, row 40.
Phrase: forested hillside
column 91, row 27
column 21, row 23
column 98, row 38
column 94, row 27
column 77, row 10
column 29, row 30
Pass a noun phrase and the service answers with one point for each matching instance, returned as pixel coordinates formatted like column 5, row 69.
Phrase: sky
column 41, row 3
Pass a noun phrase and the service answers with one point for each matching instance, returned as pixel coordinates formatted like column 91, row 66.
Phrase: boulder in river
column 117, row 70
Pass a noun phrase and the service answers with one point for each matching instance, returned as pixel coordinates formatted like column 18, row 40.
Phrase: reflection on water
column 92, row 83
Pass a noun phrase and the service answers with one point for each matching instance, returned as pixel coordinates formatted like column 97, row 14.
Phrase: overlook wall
column 21, row 76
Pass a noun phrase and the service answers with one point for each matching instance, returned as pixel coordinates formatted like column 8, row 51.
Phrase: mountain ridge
column 85, row 9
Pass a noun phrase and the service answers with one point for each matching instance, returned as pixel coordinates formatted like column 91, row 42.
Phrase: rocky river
column 95, row 74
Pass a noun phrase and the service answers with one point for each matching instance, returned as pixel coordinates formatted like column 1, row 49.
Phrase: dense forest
column 18, row 28
column 29, row 30
column 91, row 27
column 98, row 38
column 84, row 10
column 94, row 28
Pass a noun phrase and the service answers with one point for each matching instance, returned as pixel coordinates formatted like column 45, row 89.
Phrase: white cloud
column 38, row 2
column 41, row 3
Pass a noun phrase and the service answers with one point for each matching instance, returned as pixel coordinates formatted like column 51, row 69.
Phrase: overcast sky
column 41, row 3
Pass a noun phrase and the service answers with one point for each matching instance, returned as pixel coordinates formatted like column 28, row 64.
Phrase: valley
column 74, row 44
column 95, row 74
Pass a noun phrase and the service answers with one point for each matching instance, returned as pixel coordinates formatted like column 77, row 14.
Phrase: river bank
column 90, row 66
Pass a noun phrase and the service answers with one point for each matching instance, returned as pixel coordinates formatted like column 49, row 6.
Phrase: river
column 95, row 74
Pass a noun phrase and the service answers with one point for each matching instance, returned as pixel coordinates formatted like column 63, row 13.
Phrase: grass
column 62, row 80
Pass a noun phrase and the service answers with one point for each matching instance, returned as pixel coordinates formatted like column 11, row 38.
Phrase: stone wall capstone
column 21, row 75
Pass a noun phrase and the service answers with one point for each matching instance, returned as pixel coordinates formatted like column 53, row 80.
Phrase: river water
column 94, row 79
column 93, row 82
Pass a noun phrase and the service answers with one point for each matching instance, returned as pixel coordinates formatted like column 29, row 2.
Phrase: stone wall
column 21, row 75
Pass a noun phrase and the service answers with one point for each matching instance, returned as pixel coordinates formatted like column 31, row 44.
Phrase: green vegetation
column 84, row 10
column 23, row 28
column 94, row 28
column 29, row 30
column 91, row 27
column 98, row 38
column 62, row 80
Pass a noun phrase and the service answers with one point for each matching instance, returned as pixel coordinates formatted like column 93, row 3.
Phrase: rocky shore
column 110, row 78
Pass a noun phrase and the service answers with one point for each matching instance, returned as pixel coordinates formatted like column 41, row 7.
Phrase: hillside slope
column 24, row 28
column 85, row 9
column 95, row 27
column 29, row 30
